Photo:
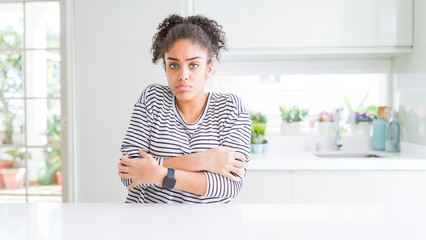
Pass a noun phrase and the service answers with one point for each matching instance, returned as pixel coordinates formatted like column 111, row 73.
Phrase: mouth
column 183, row 88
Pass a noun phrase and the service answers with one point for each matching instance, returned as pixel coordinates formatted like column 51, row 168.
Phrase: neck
column 192, row 109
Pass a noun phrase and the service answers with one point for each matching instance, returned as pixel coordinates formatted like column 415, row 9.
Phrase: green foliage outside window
column 10, row 80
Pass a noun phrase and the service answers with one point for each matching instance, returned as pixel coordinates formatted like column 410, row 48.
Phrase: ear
column 209, row 69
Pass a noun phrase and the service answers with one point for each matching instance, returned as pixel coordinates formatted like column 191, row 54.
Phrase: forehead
column 185, row 49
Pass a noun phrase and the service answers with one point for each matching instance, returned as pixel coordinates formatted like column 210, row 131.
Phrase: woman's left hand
column 141, row 170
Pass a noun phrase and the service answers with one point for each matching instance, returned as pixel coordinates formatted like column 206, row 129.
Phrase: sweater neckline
column 200, row 118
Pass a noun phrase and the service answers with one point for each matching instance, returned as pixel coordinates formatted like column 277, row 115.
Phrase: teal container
column 393, row 133
column 378, row 141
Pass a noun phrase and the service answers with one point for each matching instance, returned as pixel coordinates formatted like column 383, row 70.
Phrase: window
column 30, row 102
column 307, row 86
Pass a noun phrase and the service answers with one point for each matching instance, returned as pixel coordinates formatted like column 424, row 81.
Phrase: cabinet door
column 266, row 187
column 359, row 186
column 311, row 23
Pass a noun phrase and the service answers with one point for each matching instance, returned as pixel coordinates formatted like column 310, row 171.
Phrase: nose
column 184, row 74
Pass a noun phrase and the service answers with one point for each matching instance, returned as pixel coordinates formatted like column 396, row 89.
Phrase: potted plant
column 361, row 118
column 325, row 123
column 14, row 174
column 10, row 82
column 258, row 126
column 291, row 118
column 53, row 154
column 361, row 123
column 3, row 164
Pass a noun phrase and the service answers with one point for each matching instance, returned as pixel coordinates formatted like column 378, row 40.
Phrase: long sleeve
column 138, row 133
column 236, row 134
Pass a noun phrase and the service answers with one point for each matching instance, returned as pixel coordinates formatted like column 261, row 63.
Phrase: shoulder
column 155, row 92
column 229, row 101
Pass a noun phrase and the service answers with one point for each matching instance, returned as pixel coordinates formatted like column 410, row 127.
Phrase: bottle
column 393, row 133
column 378, row 140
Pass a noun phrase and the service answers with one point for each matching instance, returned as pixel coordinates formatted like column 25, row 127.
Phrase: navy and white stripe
column 157, row 128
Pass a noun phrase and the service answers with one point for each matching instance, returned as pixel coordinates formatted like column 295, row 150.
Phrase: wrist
column 162, row 173
column 202, row 161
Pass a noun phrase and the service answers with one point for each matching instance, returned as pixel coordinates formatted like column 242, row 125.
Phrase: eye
column 173, row 66
column 194, row 65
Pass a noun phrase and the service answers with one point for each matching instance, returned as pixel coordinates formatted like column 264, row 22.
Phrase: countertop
column 231, row 221
column 287, row 161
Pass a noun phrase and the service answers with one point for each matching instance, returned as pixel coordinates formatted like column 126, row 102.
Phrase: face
column 187, row 69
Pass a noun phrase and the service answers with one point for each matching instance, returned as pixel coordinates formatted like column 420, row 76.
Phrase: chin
column 184, row 96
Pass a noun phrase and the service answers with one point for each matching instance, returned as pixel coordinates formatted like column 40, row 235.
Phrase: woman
column 184, row 145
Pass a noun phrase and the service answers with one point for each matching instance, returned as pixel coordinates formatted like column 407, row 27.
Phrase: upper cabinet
column 313, row 25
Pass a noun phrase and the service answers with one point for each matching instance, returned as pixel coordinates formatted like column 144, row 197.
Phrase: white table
column 232, row 221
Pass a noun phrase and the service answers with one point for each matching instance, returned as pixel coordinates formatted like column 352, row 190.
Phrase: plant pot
column 58, row 176
column 13, row 177
column 3, row 164
column 361, row 129
column 264, row 148
column 326, row 128
column 257, row 148
column 290, row 129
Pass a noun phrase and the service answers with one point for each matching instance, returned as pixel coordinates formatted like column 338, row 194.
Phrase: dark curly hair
column 200, row 30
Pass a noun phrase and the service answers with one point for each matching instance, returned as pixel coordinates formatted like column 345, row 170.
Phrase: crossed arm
column 221, row 160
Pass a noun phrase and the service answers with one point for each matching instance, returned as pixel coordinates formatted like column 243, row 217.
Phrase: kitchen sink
column 347, row 155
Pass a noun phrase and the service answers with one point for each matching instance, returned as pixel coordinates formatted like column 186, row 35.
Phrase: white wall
column 112, row 67
column 409, row 80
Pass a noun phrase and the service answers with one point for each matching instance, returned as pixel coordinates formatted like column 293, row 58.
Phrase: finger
column 239, row 164
column 123, row 169
column 123, row 166
column 124, row 175
column 239, row 171
column 143, row 153
column 131, row 186
column 123, row 163
column 239, row 156
column 232, row 177
column 125, row 160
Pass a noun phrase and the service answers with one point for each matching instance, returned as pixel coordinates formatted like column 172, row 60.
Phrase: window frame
column 64, row 25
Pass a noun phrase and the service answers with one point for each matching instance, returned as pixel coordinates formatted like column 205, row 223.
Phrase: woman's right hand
column 223, row 161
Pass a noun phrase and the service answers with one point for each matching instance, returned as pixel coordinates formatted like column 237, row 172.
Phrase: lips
column 183, row 88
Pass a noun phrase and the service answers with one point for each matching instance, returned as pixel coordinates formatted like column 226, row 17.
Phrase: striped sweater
column 157, row 127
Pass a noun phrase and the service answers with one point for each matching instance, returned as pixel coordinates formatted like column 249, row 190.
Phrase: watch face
column 169, row 183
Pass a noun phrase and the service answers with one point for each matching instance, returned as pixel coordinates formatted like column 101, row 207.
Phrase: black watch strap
column 170, row 180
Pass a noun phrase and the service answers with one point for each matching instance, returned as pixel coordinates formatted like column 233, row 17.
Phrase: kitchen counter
column 231, row 221
column 298, row 153
column 309, row 161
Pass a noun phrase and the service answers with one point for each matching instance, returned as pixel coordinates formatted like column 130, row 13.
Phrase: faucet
column 337, row 138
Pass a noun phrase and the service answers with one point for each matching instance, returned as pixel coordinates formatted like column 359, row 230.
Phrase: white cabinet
column 266, row 187
column 330, row 187
column 359, row 186
column 277, row 24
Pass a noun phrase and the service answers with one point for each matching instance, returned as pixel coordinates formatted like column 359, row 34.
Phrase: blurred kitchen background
column 71, row 71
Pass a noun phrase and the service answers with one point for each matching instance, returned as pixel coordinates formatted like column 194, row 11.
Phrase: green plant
column 53, row 134
column 17, row 155
column 293, row 114
column 258, row 126
column 258, row 117
column 361, row 113
column 360, row 107
column 10, row 80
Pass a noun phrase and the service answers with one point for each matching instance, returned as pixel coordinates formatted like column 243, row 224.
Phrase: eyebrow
column 189, row 59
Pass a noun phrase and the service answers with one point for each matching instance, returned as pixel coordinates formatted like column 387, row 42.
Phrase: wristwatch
column 170, row 180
